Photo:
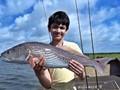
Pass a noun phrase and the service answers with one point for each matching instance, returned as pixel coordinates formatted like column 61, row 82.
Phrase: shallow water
column 17, row 77
column 21, row 77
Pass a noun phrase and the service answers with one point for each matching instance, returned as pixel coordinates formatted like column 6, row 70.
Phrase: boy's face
column 57, row 31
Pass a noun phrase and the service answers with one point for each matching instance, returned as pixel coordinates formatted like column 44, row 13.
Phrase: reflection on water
column 17, row 77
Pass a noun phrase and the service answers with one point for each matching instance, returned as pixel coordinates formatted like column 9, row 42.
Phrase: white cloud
column 33, row 26
column 47, row 2
column 66, row 5
column 104, row 14
column 83, row 3
column 4, row 32
column 103, row 33
column 22, row 19
column 1, row 10
column 18, row 6
column 115, row 37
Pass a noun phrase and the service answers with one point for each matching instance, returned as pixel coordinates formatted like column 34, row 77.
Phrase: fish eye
column 7, row 52
column 13, row 49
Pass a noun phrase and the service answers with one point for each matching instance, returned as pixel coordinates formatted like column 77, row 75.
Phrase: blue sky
column 23, row 20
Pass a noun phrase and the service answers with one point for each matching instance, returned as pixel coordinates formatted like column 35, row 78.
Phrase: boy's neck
column 57, row 43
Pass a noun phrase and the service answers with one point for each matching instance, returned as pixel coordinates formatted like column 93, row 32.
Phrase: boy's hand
column 77, row 68
column 37, row 63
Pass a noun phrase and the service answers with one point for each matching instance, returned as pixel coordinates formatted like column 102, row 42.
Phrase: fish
column 107, row 60
column 54, row 57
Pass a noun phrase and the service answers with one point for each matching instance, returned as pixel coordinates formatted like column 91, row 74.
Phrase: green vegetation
column 101, row 55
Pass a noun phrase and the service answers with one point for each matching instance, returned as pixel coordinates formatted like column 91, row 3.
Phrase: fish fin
column 28, row 55
column 100, row 68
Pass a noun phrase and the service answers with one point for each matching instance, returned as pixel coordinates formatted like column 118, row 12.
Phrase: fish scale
column 51, row 58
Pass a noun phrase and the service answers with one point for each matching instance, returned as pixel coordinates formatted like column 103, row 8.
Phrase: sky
column 23, row 20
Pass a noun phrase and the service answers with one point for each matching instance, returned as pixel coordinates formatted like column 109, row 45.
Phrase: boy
column 58, row 26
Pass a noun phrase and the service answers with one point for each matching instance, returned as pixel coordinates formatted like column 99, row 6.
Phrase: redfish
column 54, row 57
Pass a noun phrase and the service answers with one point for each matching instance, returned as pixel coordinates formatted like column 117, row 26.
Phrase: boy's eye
column 62, row 27
column 57, row 26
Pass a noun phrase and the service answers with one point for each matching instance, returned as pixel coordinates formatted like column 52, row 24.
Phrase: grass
column 101, row 55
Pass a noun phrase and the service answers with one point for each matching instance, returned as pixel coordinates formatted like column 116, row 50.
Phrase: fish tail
column 100, row 68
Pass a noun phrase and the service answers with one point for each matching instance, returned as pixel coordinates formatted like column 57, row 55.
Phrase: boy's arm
column 41, row 72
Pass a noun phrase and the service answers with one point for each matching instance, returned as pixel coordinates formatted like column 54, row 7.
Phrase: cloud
column 4, row 32
column 15, row 7
column 105, row 29
column 21, row 20
column 12, row 9
column 17, row 18
column 105, row 14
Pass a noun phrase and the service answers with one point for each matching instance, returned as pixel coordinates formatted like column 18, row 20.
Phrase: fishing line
column 79, row 28
column 86, row 77
column 80, row 34
column 96, row 76
column 91, row 34
column 45, row 16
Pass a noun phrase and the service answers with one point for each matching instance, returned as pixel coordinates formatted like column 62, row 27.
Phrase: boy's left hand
column 77, row 68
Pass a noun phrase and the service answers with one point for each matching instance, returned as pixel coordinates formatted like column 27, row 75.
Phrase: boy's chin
column 57, row 38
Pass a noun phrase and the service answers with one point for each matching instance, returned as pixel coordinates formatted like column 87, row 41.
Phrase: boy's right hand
column 36, row 63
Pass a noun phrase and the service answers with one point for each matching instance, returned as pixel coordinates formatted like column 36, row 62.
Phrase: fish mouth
column 1, row 57
column 4, row 58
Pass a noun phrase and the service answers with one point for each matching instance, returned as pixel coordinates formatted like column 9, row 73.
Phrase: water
column 17, row 77
column 22, row 77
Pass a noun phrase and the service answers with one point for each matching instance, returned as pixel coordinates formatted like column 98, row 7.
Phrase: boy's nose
column 58, row 29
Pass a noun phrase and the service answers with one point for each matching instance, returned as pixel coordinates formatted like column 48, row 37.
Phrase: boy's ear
column 49, row 29
column 66, row 31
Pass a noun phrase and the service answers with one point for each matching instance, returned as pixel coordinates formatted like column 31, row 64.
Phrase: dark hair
column 59, row 17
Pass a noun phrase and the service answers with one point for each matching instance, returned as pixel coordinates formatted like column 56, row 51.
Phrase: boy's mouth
column 57, row 34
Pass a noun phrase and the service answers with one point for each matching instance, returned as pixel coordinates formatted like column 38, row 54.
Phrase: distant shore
column 101, row 55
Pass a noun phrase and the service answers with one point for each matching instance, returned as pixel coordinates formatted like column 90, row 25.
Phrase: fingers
column 77, row 68
column 40, row 61
column 77, row 64
column 39, row 66
column 36, row 61
column 31, row 61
